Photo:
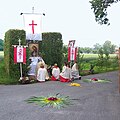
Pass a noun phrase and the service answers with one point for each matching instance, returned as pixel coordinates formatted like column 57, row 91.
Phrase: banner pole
column 20, row 71
column 119, row 68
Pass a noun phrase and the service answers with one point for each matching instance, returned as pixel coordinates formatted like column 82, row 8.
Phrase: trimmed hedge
column 11, row 38
column 52, row 46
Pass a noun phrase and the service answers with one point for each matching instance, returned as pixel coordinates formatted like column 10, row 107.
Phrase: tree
column 96, row 48
column 1, row 45
column 108, row 47
column 100, row 10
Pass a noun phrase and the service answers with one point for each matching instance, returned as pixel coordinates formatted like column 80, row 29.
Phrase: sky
column 74, row 19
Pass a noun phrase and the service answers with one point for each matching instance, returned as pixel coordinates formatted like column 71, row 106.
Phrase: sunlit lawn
column 96, row 55
column 1, row 53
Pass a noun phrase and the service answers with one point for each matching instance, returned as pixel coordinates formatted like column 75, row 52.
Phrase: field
column 85, row 55
column 96, row 55
column 1, row 53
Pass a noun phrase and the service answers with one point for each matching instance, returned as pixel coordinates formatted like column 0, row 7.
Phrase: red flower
column 94, row 79
column 52, row 98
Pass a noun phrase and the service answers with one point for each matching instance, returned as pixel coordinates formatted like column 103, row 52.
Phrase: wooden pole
column 20, row 63
column 119, row 67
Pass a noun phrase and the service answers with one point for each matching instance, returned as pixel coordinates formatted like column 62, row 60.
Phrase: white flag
column 33, row 26
column 20, row 54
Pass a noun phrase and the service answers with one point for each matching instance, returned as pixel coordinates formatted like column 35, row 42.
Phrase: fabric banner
column 32, row 24
column 19, row 54
column 72, row 51
column 15, row 54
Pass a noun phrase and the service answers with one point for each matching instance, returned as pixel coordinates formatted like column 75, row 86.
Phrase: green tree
column 1, row 45
column 100, row 10
column 108, row 47
column 96, row 48
column 65, row 53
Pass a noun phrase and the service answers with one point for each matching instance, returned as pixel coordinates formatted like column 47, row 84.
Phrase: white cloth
column 32, row 69
column 35, row 60
column 66, row 72
column 33, row 26
column 56, row 72
column 41, row 74
column 75, row 71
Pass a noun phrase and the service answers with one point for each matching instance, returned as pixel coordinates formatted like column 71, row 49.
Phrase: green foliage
column 1, row 45
column 4, row 78
column 65, row 53
column 52, row 45
column 100, row 10
column 11, row 38
column 108, row 47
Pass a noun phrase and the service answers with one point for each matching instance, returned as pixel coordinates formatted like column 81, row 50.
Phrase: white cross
column 19, row 42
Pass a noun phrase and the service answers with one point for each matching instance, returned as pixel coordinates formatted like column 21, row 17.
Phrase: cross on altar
column 33, row 26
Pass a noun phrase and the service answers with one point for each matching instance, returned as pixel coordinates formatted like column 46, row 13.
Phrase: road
column 94, row 101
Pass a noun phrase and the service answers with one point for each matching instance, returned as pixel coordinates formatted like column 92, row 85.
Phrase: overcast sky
column 74, row 19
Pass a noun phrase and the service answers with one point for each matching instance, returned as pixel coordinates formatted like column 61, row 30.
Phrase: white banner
column 33, row 26
column 72, row 53
column 19, row 54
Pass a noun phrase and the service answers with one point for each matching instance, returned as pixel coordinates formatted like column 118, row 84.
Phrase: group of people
column 38, row 70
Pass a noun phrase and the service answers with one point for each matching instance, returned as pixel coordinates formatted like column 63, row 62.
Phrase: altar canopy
column 32, row 24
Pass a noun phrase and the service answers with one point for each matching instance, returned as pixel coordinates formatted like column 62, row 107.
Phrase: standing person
column 75, row 71
column 65, row 75
column 41, row 73
column 55, row 72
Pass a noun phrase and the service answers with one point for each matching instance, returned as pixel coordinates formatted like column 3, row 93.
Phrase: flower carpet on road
column 96, row 80
column 56, row 101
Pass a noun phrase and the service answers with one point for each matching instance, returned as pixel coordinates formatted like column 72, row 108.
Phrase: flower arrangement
column 96, row 80
column 55, row 101
column 75, row 84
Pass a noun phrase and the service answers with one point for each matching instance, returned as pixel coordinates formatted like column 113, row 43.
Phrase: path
column 96, row 101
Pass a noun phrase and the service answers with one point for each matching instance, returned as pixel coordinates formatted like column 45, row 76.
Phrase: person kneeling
column 65, row 75
column 41, row 73
column 55, row 72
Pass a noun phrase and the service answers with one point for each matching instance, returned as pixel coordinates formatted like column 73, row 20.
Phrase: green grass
column 1, row 53
column 4, row 79
column 96, row 55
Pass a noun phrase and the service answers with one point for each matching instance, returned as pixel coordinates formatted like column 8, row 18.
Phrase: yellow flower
column 75, row 84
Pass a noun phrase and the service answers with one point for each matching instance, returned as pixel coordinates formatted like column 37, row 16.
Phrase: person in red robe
column 65, row 75
column 55, row 72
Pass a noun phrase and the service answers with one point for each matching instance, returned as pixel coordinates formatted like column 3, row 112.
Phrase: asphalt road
column 95, row 101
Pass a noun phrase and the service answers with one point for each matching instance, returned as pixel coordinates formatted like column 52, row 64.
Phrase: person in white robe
column 41, row 73
column 75, row 71
column 55, row 72
column 65, row 75
column 45, row 66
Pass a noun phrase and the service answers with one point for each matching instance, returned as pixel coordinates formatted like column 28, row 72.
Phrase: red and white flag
column 33, row 26
column 72, row 51
column 19, row 54
column 72, row 54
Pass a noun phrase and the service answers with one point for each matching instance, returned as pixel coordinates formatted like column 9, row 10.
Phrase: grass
column 4, row 79
column 96, row 55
